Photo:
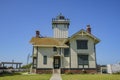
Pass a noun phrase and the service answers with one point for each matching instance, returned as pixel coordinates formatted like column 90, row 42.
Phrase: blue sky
column 19, row 19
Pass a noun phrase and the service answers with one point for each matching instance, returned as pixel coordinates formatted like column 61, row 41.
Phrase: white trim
column 85, row 33
column 52, row 46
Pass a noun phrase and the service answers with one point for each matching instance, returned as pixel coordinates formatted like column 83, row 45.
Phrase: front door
column 56, row 62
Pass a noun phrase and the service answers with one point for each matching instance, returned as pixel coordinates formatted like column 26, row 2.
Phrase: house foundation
column 65, row 71
column 44, row 71
column 79, row 71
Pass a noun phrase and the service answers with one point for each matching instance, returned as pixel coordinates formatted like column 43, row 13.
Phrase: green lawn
column 26, row 77
column 91, row 77
column 64, row 77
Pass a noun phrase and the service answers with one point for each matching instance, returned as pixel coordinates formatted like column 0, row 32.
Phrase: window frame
column 83, row 60
column 66, row 54
column 45, row 60
column 82, row 44
column 34, row 62
column 54, row 49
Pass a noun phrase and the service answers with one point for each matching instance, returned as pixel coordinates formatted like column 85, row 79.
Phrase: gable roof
column 48, row 42
column 83, row 32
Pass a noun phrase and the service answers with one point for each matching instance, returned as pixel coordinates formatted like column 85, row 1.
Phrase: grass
column 91, row 77
column 25, row 77
column 19, row 76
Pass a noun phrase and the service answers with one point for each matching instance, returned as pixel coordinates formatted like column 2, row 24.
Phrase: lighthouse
column 60, row 26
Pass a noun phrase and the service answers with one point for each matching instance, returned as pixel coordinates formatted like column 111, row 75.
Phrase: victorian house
column 60, row 52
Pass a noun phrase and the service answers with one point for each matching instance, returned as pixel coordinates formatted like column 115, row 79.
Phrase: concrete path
column 56, row 76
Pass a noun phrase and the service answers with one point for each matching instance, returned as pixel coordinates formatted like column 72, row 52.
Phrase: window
column 44, row 59
column 83, row 60
column 54, row 49
column 65, row 26
column 34, row 62
column 82, row 44
column 66, row 52
column 56, row 26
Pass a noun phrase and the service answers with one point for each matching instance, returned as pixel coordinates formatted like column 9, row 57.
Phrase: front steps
column 56, row 71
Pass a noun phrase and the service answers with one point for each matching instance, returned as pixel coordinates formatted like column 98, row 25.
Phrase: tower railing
column 55, row 19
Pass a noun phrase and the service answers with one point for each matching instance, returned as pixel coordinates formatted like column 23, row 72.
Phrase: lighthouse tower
column 60, row 26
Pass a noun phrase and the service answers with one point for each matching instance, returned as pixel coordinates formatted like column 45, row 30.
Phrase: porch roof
column 48, row 42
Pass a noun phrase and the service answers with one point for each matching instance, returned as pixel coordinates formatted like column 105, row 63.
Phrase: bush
column 84, row 72
column 5, row 73
column 68, row 72
column 117, row 73
column 3, row 67
column 27, row 66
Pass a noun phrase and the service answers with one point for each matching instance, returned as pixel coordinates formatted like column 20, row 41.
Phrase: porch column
column 61, row 58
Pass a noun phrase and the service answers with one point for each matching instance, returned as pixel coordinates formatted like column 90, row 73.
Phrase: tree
column 27, row 66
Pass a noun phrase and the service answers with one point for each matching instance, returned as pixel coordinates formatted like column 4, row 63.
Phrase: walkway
column 56, row 75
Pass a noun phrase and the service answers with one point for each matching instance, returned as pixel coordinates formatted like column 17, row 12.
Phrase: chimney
column 88, row 29
column 37, row 34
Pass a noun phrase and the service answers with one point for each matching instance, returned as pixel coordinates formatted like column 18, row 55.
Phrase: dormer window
column 54, row 49
column 82, row 44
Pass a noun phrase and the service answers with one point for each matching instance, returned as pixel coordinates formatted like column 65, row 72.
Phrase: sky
column 19, row 19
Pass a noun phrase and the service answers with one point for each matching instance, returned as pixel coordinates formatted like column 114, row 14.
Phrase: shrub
column 68, row 72
column 117, row 73
column 84, row 71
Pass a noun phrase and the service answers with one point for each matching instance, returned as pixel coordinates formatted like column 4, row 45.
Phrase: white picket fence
column 113, row 68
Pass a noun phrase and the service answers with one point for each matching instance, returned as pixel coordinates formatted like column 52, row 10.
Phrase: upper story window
column 54, row 49
column 64, row 26
column 82, row 44
column 66, row 52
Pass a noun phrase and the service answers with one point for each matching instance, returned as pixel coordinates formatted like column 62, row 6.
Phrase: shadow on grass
column 3, row 74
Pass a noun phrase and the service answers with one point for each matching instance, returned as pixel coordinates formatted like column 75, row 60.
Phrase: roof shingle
column 51, row 42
